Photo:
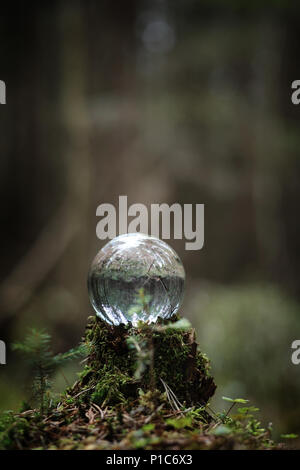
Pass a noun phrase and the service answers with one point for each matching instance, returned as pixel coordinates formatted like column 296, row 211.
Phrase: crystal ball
column 136, row 277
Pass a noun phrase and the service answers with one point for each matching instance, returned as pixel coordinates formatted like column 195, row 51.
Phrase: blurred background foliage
column 163, row 101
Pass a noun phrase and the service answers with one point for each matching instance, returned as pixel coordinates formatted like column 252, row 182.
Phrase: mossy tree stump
column 141, row 388
column 125, row 362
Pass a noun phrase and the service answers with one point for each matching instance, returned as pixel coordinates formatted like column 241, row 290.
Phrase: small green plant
column 37, row 350
column 233, row 402
column 142, row 303
column 242, row 424
column 180, row 423
column 143, row 354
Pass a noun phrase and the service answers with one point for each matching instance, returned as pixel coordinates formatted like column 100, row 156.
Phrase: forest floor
column 147, row 425
column 143, row 388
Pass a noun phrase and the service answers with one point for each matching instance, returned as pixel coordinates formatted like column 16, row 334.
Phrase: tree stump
column 125, row 362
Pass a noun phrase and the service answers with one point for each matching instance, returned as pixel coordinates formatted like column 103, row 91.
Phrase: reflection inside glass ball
column 135, row 278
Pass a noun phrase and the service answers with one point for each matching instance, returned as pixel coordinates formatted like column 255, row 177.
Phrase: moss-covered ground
column 140, row 388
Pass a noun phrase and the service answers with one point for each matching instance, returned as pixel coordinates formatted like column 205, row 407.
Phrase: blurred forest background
column 163, row 101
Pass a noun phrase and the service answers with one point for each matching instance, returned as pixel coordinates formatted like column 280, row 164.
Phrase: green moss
column 112, row 387
column 124, row 360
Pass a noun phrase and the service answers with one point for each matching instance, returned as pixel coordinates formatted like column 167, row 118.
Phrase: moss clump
column 124, row 361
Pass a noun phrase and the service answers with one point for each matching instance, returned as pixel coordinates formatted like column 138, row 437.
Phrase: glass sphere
column 135, row 277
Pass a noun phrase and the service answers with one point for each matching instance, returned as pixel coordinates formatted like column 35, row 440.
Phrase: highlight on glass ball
column 136, row 277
